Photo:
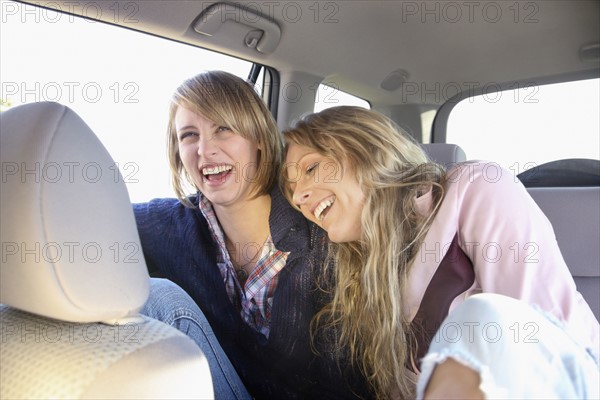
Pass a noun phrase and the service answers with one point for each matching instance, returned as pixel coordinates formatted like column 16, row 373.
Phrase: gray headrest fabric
column 70, row 247
column 444, row 153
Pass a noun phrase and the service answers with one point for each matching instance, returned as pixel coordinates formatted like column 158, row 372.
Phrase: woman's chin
column 343, row 235
column 335, row 237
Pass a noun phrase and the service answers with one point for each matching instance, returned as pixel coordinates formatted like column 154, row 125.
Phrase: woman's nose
column 301, row 194
column 206, row 147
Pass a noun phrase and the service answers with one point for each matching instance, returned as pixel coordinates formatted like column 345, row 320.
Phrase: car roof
column 358, row 44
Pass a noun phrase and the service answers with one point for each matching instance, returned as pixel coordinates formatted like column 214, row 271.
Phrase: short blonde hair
column 226, row 100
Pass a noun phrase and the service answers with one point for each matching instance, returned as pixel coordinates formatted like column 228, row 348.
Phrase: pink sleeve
column 513, row 247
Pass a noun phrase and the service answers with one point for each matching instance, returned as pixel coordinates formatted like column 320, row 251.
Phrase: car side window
column 530, row 124
column 118, row 80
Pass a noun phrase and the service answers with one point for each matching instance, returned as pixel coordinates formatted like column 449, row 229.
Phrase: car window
column 328, row 95
column 529, row 125
column 118, row 80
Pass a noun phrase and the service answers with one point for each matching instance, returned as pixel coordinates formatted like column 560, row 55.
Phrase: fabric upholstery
column 575, row 216
column 68, row 231
column 73, row 275
column 446, row 154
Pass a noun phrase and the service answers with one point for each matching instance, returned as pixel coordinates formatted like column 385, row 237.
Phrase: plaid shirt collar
column 255, row 299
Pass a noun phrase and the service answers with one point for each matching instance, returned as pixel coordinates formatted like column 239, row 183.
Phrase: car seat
column 73, row 276
column 568, row 192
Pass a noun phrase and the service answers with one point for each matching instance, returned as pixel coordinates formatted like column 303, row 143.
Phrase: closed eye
column 311, row 168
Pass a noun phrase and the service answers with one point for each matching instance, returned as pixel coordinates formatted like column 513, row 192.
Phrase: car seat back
column 73, row 276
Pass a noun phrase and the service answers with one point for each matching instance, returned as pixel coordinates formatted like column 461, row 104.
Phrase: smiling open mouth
column 216, row 173
column 323, row 208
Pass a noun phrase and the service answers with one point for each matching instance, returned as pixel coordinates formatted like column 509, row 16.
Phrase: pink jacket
column 510, row 244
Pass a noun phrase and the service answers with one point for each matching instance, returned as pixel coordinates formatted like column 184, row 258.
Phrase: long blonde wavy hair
column 370, row 274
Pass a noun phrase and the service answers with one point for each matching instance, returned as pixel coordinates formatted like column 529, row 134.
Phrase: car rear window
column 530, row 124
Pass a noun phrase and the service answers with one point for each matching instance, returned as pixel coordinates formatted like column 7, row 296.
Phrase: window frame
column 440, row 122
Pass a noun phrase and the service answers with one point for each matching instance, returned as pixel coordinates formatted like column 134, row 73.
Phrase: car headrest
column 563, row 173
column 444, row 153
column 70, row 247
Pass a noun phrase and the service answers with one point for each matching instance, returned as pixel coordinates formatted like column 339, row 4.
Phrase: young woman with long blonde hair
column 413, row 246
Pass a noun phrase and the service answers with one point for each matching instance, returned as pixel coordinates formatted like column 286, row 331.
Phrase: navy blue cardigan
column 177, row 243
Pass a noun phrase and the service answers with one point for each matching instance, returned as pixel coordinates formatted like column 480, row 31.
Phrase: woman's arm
column 513, row 247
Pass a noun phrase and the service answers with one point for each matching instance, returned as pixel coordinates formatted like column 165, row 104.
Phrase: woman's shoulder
column 166, row 204
column 483, row 189
column 480, row 175
column 170, row 210
column 289, row 229
column 282, row 213
column 470, row 171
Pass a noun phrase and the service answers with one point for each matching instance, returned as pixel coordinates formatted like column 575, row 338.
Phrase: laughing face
column 326, row 192
column 221, row 163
